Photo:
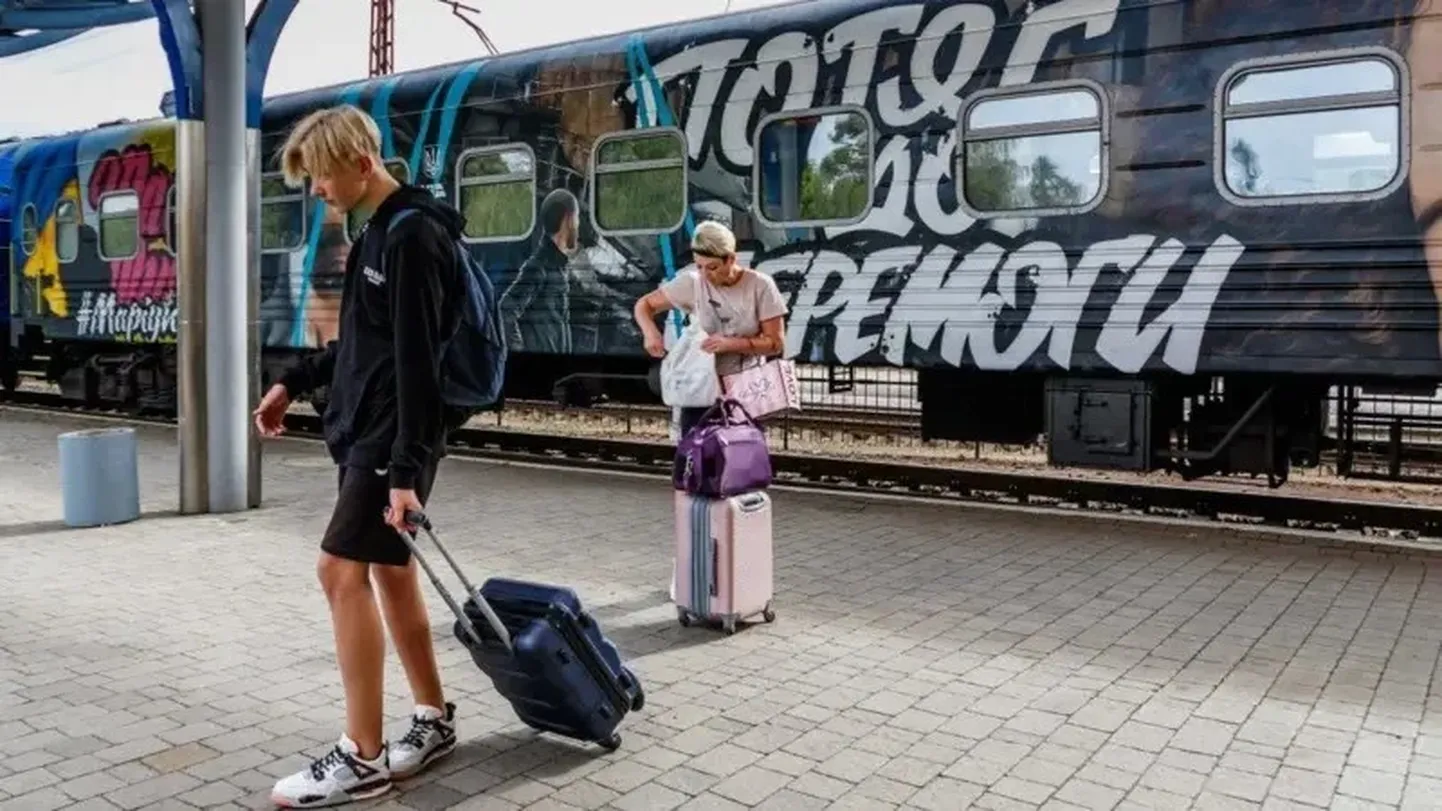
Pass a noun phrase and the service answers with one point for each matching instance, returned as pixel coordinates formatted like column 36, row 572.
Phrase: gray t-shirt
column 735, row 310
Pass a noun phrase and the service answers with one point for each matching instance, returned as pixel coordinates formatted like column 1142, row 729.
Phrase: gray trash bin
column 99, row 477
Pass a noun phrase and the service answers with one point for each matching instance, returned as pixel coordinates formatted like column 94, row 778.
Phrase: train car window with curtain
column 29, row 230
column 67, row 230
column 282, row 215
column 639, row 182
column 119, row 218
column 496, row 192
column 171, row 226
column 1324, row 129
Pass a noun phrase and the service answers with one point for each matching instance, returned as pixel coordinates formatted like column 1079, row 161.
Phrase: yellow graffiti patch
column 161, row 140
column 43, row 266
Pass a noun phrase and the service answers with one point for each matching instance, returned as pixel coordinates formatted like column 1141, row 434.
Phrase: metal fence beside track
column 875, row 412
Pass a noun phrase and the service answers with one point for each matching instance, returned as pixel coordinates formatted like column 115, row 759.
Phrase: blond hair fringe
column 326, row 139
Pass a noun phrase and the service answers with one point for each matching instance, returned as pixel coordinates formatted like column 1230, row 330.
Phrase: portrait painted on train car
column 536, row 307
column 321, row 310
column 301, row 283
column 45, row 247
column 570, row 290
column 48, row 229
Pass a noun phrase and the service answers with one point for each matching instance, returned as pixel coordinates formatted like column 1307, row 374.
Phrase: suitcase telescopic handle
column 419, row 519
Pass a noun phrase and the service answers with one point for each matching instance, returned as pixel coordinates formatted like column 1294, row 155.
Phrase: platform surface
column 925, row 656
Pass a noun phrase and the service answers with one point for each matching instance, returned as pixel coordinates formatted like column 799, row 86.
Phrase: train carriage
column 93, row 262
column 1155, row 233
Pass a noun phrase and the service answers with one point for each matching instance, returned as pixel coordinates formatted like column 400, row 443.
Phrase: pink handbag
column 765, row 389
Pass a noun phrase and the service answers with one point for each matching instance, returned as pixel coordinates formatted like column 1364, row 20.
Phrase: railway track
column 1218, row 502
column 826, row 418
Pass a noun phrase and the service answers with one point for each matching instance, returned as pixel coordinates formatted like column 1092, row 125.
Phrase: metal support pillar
column 218, row 70
column 190, row 288
column 254, row 388
column 227, row 377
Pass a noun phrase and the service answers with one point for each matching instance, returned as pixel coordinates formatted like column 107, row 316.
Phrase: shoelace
column 334, row 758
column 416, row 735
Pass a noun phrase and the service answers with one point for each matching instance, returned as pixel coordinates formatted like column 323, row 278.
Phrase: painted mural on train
column 999, row 185
column 95, row 244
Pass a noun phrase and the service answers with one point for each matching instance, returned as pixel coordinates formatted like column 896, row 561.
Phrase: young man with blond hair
column 385, row 429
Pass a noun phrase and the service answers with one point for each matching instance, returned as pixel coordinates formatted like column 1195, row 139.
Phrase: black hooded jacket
column 385, row 408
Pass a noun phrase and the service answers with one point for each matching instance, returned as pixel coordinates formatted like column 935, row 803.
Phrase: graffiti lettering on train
column 785, row 69
column 150, row 273
column 1003, row 305
column 101, row 315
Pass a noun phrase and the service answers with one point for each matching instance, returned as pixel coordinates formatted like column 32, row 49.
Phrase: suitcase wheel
column 612, row 743
column 684, row 617
column 640, row 699
column 768, row 614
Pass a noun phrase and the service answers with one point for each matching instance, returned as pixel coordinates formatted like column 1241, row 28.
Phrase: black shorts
column 358, row 529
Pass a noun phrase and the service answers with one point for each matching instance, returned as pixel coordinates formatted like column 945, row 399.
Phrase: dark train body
column 1155, row 232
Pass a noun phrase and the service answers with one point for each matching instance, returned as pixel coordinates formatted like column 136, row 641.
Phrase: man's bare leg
column 360, row 647
column 432, row 733
column 405, row 612
column 358, row 766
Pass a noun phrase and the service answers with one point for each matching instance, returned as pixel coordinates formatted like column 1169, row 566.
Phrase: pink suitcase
column 723, row 567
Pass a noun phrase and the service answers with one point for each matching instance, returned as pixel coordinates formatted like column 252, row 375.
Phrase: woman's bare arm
column 771, row 341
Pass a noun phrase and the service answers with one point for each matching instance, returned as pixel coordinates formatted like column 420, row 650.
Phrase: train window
column 29, row 230
column 496, row 191
column 399, row 170
column 67, row 229
column 1312, row 130
column 639, row 182
column 119, row 225
column 171, row 226
column 282, row 215
column 1035, row 151
column 814, row 167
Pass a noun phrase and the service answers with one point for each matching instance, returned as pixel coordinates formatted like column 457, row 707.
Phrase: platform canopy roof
column 28, row 25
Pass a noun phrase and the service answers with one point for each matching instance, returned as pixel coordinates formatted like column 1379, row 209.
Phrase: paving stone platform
column 925, row 656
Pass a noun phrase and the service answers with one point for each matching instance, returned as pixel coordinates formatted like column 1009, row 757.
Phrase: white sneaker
column 432, row 735
column 337, row 778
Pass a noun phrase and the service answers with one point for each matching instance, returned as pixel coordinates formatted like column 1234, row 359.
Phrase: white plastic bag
column 688, row 373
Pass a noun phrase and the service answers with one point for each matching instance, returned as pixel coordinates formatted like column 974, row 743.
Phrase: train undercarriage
column 1194, row 427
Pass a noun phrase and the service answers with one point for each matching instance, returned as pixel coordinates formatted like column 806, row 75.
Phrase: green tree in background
column 995, row 181
column 837, row 186
column 1049, row 188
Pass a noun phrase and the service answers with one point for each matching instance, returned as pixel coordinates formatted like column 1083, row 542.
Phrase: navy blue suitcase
column 543, row 653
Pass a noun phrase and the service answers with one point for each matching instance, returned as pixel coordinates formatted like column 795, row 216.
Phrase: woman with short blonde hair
column 740, row 309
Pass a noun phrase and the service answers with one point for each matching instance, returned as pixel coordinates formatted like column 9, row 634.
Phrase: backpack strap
column 398, row 216
column 459, row 313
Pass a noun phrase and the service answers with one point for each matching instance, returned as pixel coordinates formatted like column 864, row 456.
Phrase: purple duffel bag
column 722, row 457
